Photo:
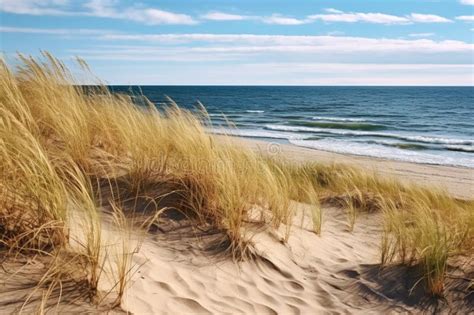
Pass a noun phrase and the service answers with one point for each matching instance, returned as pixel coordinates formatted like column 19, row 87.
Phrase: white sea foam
column 373, row 150
column 255, row 111
column 355, row 147
column 409, row 137
column 437, row 140
column 257, row 133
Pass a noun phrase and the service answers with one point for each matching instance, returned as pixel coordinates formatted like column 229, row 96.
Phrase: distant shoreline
column 286, row 142
column 458, row 181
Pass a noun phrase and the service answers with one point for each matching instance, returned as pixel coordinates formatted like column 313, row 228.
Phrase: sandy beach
column 457, row 181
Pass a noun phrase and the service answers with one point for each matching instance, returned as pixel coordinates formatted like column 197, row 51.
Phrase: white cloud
column 377, row 18
column 421, row 34
column 35, row 7
column 248, row 43
column 371, row 66
column 295, row 74
column 428, row 18
column 275, row 18
column 155, row 16
column 332, row 10
column 151, row 16
column 467, row 2
column 191, row 59
column 153, row 54
column 221, row 16
column 332, row 15
column 259, row 44
column 466, row 18
column 97, row 8
column 54, row 31
column 102, row 8
column 283, row 20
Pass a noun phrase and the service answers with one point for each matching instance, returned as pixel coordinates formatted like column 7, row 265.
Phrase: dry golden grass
column 59, row 142
column 422, row 226
column 33, row 203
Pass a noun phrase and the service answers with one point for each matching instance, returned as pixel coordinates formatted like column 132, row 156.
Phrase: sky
column 251, row 42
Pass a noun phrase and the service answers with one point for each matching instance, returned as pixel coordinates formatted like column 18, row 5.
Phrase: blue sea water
column 432, row 125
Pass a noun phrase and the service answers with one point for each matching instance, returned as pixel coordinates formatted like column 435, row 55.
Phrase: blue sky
column 338, row 42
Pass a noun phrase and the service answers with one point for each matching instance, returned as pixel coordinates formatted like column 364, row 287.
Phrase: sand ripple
column 337, row 272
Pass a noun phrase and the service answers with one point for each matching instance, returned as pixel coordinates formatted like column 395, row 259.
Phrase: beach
column 375, row 121
column 107, row 205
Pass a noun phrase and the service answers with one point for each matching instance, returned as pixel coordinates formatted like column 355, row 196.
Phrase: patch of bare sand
column 337, row 272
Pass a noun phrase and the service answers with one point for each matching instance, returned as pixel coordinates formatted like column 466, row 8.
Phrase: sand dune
column 182, row 268
column 337, row 272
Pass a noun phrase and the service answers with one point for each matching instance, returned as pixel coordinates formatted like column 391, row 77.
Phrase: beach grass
column 60, row 140
column 423, row 227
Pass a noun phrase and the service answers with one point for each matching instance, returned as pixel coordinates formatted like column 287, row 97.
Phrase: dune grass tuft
column 422, row 226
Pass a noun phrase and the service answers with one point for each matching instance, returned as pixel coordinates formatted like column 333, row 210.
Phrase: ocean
column 431, row 125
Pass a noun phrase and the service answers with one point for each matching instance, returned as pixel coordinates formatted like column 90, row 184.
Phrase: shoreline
column 456, row 180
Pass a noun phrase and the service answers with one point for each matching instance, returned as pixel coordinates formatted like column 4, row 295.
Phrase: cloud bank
column 155, row 16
